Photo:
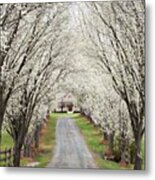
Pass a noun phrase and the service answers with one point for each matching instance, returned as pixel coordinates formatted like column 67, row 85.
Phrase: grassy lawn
column 47, row 142
column 7, row 141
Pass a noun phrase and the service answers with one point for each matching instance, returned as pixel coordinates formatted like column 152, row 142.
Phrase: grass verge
column 6, row 144
column 47, row 142
column 93, row 138
column 7, row 141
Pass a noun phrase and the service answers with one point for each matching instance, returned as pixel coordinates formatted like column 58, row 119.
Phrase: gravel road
column 71, row 150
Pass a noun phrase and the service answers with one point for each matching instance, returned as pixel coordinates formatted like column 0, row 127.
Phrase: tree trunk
column 0, row 133
column 138, row 132
column 125, row 157
column 1, row 120
column 138, row 158
column 62, row 109
column 37, row 136
column 105, row 135
column 17, row 156
column 111, row 140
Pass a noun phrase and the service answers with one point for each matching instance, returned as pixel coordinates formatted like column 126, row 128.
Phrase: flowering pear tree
column 93, row 50
column 31, row 66
column 118, row 43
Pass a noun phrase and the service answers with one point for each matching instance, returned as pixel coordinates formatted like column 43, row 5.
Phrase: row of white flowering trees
column 117, row 45
column 93, row 49
column 111, row 89
column 33, row 59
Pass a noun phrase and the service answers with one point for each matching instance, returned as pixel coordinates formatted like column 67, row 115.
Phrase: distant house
column 67, row 103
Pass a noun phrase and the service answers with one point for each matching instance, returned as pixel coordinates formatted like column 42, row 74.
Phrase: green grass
column 47, row 142
column 7, row 141
column 93, row 138
column 65, row 115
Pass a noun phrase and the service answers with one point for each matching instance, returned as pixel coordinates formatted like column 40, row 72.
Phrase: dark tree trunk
column 105, row 136
column 18, row 143
column 37, row 136
column 27, row 150
column 62, row 108
column 0, row 132
column 138, row 158
column 137, row 125
column 124, row 146
column 17, row 156
column 111, row 140
column 1, row 120
column 27, row 147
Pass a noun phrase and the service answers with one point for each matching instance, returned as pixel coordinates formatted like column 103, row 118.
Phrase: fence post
column 9, row 157
column 5, row 155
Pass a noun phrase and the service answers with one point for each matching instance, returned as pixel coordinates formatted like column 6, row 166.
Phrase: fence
column 30, row 145
column 6, row 157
